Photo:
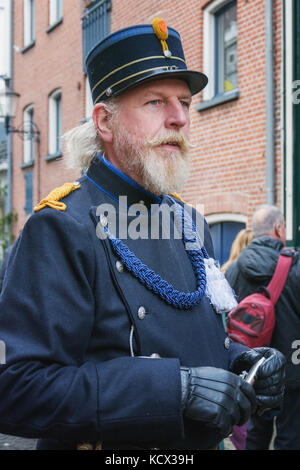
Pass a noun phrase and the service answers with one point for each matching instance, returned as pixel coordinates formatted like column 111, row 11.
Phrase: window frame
column 89, row 105
column 219, row 50
column 220, row 220
column 28, row 176
column 55, row 124
column 56, row 9
column 29, row 23
column 95, row 24
column 28, row 143
column 211, row 94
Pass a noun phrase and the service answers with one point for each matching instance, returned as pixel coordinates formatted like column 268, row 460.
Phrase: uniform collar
column 115, row 183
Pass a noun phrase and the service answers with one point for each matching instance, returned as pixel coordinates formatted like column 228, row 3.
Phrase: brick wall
column 229, row 171
column 229, row 163
column 229, row 168
column 53, row 62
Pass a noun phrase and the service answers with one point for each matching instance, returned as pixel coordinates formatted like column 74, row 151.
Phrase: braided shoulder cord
column 153, row 281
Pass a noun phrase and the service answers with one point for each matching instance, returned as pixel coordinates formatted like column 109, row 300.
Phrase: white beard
column 156, row 170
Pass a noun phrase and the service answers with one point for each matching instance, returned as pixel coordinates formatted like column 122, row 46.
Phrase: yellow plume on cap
column 161, row 30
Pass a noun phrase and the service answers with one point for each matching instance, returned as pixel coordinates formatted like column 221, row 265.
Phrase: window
column 223, row 235
column 5, row 30
column 89, row 106
column 3, row 147
column 55, row 124
column 226, row 49
column 28, row 192
column 55, row 11
column 95, row 25
column 28, row 123
column 220, row 49
column 29, row 33
column 291, row 125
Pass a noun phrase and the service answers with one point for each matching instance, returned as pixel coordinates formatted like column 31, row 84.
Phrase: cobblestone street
column 19, row 443
column 16, row 443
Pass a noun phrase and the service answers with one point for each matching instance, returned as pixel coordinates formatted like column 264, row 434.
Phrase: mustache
column 174, row 137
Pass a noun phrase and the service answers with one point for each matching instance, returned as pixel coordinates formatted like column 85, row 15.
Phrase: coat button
column 227, row 342
column 141, row 312
column 119, row 266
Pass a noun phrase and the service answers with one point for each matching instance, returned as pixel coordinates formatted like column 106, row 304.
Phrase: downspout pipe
column 270, row 152
column 8, row 204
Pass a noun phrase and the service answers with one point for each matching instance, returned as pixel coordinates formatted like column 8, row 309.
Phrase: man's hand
column 269, row 383
column 216, row 397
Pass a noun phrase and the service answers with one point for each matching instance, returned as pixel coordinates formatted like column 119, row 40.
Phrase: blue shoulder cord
column 153, row 281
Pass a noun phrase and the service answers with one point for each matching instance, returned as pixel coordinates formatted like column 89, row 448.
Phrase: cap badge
column 161, row 30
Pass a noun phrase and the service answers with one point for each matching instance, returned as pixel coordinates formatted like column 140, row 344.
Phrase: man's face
column 150, row 135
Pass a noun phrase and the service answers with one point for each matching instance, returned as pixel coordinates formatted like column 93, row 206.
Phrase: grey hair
column 83, row 143
column 265, row 218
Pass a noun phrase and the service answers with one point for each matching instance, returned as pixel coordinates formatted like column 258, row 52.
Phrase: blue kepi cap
column 134, row 55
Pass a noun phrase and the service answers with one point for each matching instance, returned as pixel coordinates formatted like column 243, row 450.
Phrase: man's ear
column 100, row 118
column 278, row 230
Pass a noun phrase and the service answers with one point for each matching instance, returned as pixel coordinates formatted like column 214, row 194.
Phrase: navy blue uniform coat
column 73, row 371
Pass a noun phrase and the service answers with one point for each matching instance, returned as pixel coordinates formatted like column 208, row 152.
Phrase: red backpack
column 252, row 321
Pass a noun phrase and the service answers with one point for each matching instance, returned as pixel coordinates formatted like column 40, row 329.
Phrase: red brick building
column 46, row 62
column 239, row 123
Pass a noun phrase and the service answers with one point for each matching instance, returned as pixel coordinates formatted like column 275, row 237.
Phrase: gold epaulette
column 182, row 200
column 53, row 198
column 177, row 197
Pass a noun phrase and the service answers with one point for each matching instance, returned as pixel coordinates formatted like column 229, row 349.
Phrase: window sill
column 27, row 47
column 52, row 26
column 27, row 165
column 53, row 156
column 219, row 99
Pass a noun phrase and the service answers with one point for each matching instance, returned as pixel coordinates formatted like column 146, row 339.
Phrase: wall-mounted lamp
column 8, row 105
column 28, row 131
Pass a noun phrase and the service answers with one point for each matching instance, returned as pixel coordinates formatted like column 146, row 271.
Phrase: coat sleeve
column 47, row 388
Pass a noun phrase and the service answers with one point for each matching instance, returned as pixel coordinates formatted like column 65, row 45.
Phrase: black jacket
column 4, row 264
column 77, row 328
column 254, row 268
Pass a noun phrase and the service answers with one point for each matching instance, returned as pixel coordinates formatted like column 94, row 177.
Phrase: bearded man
column 117, row 342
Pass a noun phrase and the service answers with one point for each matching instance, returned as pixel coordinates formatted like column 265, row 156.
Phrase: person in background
column 254, row 268
column 242, row 239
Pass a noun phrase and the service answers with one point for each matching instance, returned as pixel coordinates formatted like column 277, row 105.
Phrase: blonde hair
column 242, row 239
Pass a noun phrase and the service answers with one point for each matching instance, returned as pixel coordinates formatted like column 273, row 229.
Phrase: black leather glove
column 216, row 397
column 270, row 380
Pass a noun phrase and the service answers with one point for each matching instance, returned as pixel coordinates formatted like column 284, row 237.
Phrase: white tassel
column 218, row 290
